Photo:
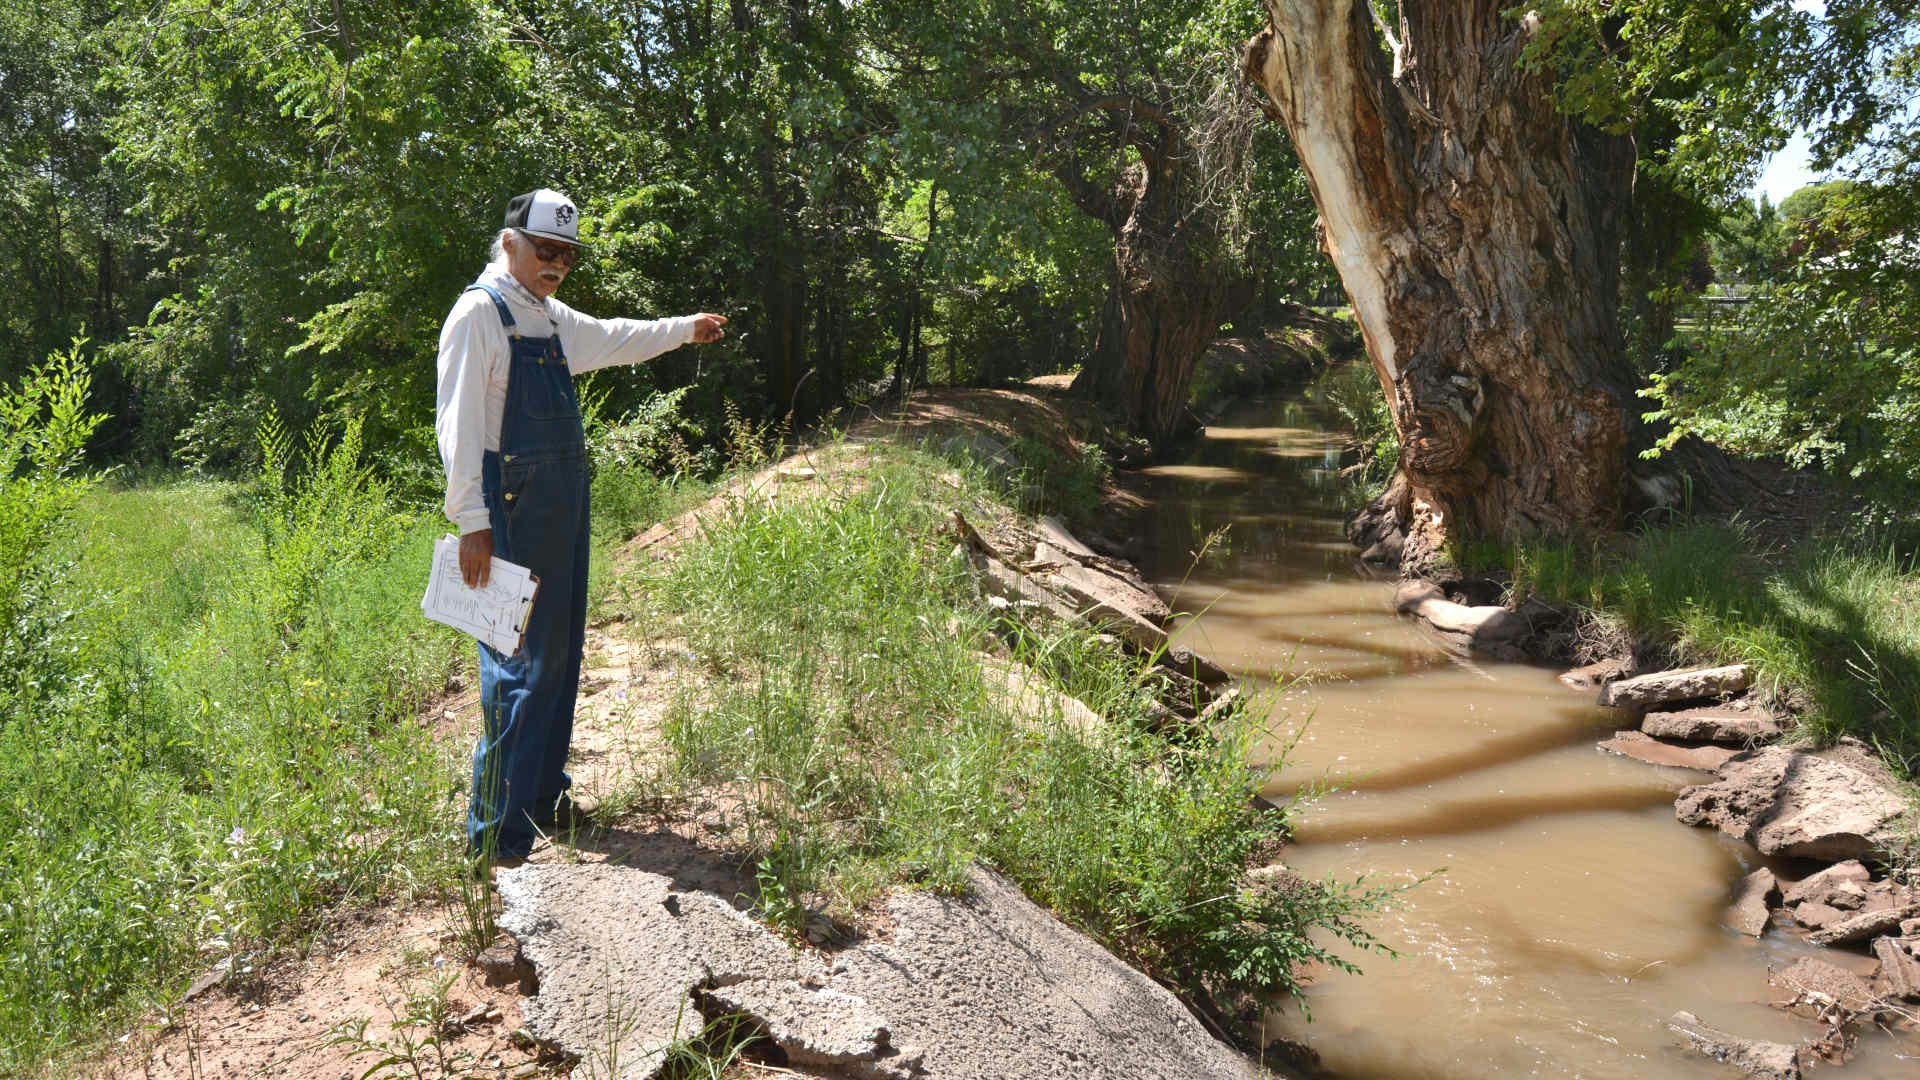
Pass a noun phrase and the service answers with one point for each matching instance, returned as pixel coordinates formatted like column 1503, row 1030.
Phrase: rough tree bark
column 1476, row 232
column 1168, row 291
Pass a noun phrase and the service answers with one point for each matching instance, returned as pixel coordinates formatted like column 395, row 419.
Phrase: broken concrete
column 1713, row 723
column 1662, row 687
column 1751, row 909
column 1786, row 802
column 816, row 1025
column 989, row 986
column 1641, row 747
column 1768, row 1060
column 619, row 952
column 994, row 987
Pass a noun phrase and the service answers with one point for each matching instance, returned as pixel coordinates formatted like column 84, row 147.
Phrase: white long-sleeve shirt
column 474, row 354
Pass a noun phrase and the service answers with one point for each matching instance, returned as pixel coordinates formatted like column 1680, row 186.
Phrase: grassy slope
column 233, row 754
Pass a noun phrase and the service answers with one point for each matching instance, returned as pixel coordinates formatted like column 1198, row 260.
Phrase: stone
column 1790, row 803
column 1714, row 723
column 1182, row 659
column 1054, row 531
column 1863, row 926
column 1817, row 916
column 1592, row 676
column 1818, row 886
column 1640, row 747
column 1821, row 983
column 1691, row 684
column 1767, row 1060
column 1899, row 974
column 1750, row 911
column 819, row 1026
column 1490, row 629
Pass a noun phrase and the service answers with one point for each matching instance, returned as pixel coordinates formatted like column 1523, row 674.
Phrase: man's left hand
column 708, row 328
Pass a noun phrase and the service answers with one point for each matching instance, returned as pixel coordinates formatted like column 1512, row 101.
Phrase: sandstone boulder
column 1489, row 629
column 1750, row 911
column 1864, row 925
column 1819, row 983
column 1662, row 687
column 1713, row 723
column 1790, row 803
column 1592, row 676
column 1819, row 887
column 1767, row 1060
column 1641, row 747
column 1899, row 974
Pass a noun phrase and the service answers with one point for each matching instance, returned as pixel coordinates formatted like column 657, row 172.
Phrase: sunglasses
column 564, row 254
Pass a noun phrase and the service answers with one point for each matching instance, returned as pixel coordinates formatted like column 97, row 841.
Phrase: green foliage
column 214, row 785
column 1831, row 631
column 44, row 427
column 1822, row 364
column 860, row 711
column 1349, row 395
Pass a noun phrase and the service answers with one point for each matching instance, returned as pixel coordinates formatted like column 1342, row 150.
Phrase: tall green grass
column 226, row 749
column 1833, row 630
column 854, row 713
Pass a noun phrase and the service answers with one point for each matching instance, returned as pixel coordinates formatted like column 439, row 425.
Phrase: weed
column 874, row 750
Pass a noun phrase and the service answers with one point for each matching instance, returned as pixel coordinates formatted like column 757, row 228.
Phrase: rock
column 1108, row 596
column 1769, row 1060
column 1820, row 983
column 1713, row 723
column 1750, row 912
column 1899, row 974
column 990, row 985
column 1185, row 660
column 1863, row 926
column 1591, row 676
column 819, row 1026
column 1489, row 629
column 1640, row 747
column 1817, row 916
column 1790, row 803
column 1054, row 531
column 1661, row 687
column 1817, row 887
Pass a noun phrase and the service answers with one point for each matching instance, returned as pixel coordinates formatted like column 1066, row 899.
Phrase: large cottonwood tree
column 1476, row 230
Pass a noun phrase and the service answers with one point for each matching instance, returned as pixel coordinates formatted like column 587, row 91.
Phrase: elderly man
column 508, row 423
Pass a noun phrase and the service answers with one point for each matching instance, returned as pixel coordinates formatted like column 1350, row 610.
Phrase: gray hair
column 497, row 254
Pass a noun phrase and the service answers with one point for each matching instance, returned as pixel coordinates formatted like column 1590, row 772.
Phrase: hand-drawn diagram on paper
column 495, row 613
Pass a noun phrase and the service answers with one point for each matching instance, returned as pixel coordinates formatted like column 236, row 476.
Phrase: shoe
column 484, row 869
column 565, row 816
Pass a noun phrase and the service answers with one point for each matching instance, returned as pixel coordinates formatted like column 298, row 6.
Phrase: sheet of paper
column 495, row 613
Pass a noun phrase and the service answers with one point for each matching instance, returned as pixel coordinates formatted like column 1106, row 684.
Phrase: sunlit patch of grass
column 853, row 712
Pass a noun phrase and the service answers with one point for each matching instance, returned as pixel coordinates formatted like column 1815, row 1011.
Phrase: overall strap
column 506, row 317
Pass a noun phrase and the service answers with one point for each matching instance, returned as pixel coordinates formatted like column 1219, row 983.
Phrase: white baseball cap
column 545, row 213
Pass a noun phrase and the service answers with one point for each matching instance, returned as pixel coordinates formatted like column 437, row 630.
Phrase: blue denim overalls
column 536, row 493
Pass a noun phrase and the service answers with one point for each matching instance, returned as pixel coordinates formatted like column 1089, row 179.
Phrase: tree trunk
column 1476, row 232
column 1165, row 301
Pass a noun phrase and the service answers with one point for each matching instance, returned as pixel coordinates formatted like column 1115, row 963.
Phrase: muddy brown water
column 1570, row 915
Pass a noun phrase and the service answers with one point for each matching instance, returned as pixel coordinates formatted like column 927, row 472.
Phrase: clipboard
column 494, row 614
